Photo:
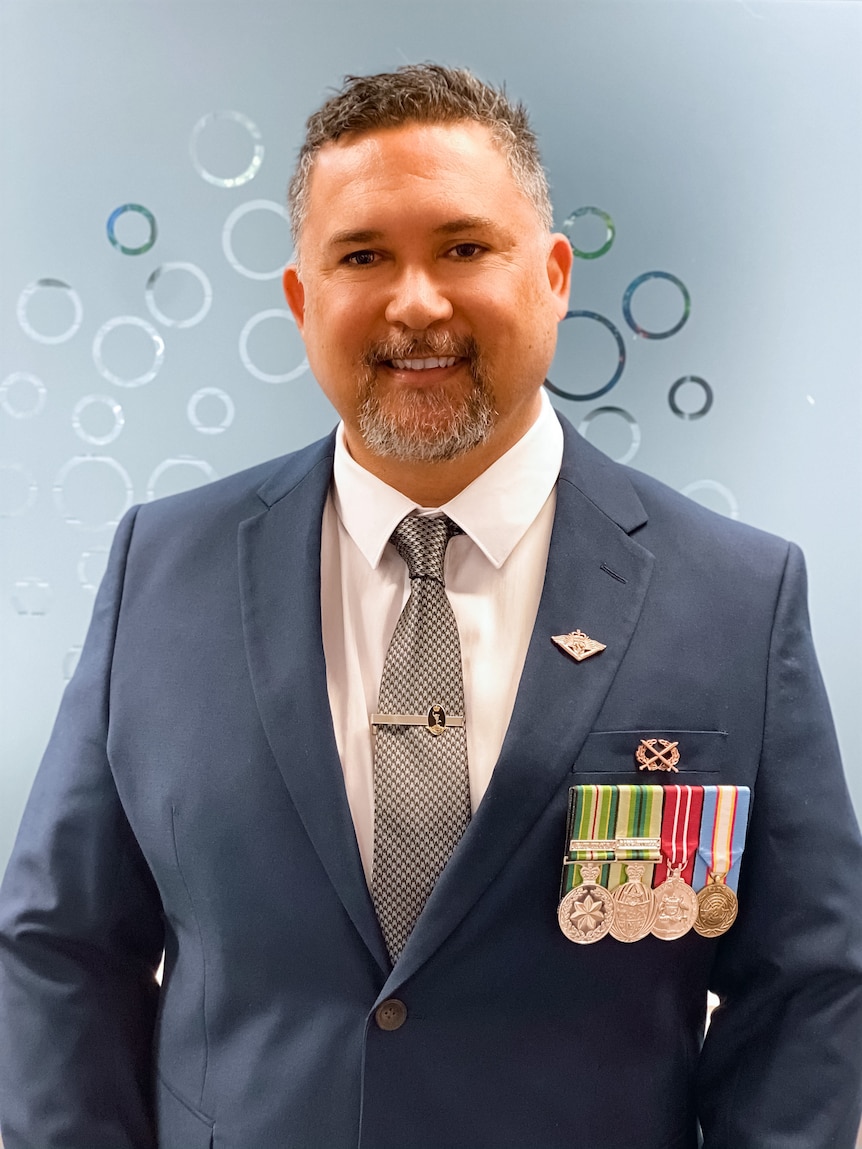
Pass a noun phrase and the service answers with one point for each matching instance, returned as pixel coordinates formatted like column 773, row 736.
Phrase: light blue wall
column 724, row 140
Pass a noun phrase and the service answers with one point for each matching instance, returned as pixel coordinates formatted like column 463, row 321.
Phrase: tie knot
column 421, row 540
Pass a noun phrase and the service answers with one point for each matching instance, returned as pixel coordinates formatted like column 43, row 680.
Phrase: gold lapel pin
column 578, row 645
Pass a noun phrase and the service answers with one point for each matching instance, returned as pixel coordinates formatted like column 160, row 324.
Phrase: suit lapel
column 279, row 555
column 558, row 698
column 557, row 703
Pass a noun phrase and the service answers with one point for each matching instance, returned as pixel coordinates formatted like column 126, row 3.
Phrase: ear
column 560, row 260
column 294, row 293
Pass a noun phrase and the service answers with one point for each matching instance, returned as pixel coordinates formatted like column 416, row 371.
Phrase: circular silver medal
column 676, row 908
column 586, row 913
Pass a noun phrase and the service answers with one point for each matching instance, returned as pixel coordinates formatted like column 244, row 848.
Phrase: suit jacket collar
column 596, row 580
column 279, row 558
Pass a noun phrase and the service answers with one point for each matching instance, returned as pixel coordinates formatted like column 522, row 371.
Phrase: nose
column 417, row 301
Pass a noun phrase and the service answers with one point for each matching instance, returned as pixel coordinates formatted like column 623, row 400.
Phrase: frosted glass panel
column 706, row 165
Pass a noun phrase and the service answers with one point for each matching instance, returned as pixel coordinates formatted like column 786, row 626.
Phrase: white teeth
column 423, row 364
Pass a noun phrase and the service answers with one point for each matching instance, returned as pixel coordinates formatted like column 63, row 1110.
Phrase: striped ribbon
column 722, row 834
column 592, row 815
column 680, row 831
column 639, row 815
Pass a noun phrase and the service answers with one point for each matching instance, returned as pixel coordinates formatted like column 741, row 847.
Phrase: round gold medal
column 586, row 913
column 676, row 908
column 717, row 908
column 634, row 907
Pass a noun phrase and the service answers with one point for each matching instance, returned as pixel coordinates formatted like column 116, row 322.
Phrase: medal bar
column 626, row 839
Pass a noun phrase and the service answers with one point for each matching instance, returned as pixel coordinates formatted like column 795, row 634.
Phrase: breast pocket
column 694, row 757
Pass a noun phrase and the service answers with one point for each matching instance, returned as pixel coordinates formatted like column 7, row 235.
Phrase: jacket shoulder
column 662, row 519
column 693, row 525
column 240, row 495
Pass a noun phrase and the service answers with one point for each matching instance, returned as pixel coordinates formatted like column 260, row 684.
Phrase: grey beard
column 428, row 426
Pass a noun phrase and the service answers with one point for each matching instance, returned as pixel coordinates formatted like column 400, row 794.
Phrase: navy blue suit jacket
column 192, row 799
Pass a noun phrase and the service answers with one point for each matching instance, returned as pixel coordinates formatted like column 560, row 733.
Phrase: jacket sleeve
column 80, row 932
column 781, row 1066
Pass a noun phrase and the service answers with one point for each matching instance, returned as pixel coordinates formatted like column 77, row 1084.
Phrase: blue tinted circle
column 148, row 216
column 610, row 232
column 614, row 379
column 627, row 305
column 707, row 397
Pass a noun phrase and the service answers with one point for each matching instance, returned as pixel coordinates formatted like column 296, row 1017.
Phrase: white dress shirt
column 494, row 576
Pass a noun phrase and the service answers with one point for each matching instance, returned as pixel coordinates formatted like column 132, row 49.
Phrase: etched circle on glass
column 185, row 473
column 159, row 313
column 91, row 568
column 707, row 397
column 620, row 365
column 196, row 142
column 22, row 395
column 570, row 227
column 18, row 490
column 98, row 438
column 31, row 596
column 255, row 205
column 70, row 661
column 136, row 209
column 638, row 282
column 210, row 394
column 92, row 492
column 608, row 441
column 703, row 488
column 121, row 322
column 266, row 376
column 52, row 298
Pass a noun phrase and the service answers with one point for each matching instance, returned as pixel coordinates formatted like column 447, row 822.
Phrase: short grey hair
column 422, row 94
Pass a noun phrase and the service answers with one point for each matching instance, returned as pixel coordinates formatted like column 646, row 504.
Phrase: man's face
column 430, row 293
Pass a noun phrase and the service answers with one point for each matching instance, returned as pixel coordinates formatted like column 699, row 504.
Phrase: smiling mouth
column 431, row 359
column 423, row 364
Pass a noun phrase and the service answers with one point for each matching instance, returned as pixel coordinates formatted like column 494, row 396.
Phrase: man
column 357, row 899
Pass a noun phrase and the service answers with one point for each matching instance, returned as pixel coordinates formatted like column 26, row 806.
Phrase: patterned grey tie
column 421, row 784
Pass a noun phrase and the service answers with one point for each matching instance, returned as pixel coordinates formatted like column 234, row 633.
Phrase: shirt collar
column 495, row 510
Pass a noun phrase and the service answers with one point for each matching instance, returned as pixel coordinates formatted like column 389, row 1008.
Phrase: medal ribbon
column 638, row 817
column 680, row 831
column 592, row 813
column 722, row 834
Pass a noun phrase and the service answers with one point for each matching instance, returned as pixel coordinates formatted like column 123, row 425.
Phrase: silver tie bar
column 412, row 720
column 435, row 721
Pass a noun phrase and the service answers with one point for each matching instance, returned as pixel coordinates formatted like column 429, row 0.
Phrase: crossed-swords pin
column 657, row 754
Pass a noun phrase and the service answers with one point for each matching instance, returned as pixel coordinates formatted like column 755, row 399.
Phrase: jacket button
column 391, row 1014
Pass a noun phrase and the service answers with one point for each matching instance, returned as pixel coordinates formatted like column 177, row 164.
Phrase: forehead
column 413, row 168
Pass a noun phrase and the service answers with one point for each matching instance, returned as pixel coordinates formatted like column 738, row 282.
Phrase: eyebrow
column 451, row 227
column 342, row 237
column 466, row 223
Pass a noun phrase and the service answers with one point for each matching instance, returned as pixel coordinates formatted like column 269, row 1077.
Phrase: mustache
column 431, row 345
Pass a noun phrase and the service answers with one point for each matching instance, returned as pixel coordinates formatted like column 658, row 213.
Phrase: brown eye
column 466, row 250
column 360, row 258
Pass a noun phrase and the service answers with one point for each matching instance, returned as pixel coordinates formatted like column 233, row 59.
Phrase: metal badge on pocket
column 658, row 754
